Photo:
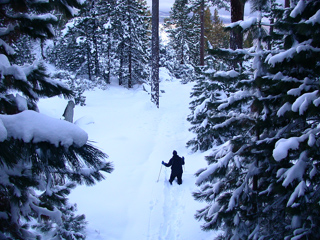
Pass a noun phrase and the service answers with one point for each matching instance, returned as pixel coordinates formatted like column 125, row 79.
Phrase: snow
column 223, row 162
column 230, row 74
column 7, row 48
column 4, row 61
column 44, row 17
column 244, row 24
column 200, row 108
column 31, row 126
column 283, row 146
column 288, row 54
column 165, row 74
column 131, row 203
column 314, row 19
column 235, row 198
column 14, row 70
column 6, row 30
column 298, row 9
column 280, row 57
column 21, row 103
column 298, row 192
column 248, row 23
column 285, row 108
column 3, row 132
column 295, row 172
column 55, row 214
column 302, row 102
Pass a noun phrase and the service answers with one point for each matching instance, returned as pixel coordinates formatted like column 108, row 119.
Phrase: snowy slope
column 130, row 203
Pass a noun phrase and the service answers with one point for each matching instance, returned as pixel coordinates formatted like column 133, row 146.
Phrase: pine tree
column 183, row 37
column 179, row 19
column 183, row 29
column 38, row 167
column 87, row 38
column 223, row 124
column 217, row 36
column 208, row 27
column 232, row 122
column 133, row 43
column 262, row 178
column 294, row 70
column 205, row 21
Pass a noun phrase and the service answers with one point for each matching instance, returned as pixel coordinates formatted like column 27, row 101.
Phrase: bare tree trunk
column 270, row 33
column 237, row 13
column 109, row 60
column 121, row 65
column 88, row 62
column 202, row 34
column 96, row 54
column 286, row 3
column 155, row 53
column 42, row 49
column 130, row 50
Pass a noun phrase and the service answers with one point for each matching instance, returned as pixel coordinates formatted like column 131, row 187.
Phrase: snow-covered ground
column 131, row 203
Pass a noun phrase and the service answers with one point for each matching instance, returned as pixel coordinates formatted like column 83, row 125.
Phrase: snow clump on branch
column 31, row 126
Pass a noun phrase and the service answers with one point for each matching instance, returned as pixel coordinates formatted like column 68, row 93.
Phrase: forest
column 253, row 109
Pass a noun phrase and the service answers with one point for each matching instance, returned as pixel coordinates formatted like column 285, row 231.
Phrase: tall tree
column 214, row 30
column 131, row 42
column 185, row 35
column 88, row 38
column 41, row 158
column 200, row 5
column 155, row 57
column 295, row 150
column 262, row 179
column 202, row 32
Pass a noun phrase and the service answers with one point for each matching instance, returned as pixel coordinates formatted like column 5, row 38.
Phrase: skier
column 176, row 163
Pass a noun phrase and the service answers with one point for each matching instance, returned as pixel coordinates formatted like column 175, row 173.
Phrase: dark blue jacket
column 176, row 163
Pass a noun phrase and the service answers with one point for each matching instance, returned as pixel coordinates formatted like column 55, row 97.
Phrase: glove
column 162, row 162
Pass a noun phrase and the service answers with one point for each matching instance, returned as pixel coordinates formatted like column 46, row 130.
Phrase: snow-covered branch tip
column 31, row 126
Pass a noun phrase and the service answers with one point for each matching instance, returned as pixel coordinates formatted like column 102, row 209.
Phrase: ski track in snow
column 130, row 203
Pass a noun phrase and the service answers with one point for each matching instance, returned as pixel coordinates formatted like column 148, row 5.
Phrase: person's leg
column 179, row 176
column 172, row 177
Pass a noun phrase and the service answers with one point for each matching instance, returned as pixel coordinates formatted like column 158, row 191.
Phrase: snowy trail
column 130, row 203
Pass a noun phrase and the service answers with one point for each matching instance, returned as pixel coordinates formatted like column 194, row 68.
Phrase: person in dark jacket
column 175, row 163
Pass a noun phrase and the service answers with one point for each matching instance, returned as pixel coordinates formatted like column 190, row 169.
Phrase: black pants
column 174, row 175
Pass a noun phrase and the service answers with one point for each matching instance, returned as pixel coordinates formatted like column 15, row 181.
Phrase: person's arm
column 167, row 164
column 182, row 160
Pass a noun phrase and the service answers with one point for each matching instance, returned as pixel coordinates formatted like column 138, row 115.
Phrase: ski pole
column 159, row 173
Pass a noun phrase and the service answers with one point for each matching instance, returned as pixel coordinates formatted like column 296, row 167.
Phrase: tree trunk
column 270, row 33
column 202, row 34
column 121, row 64
column 130, row 49
column 108, row 81
column 155, row 53
column 130, row 68
column 96, row 54
column 286, row 3
column 237, row 13
column 88, row 62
